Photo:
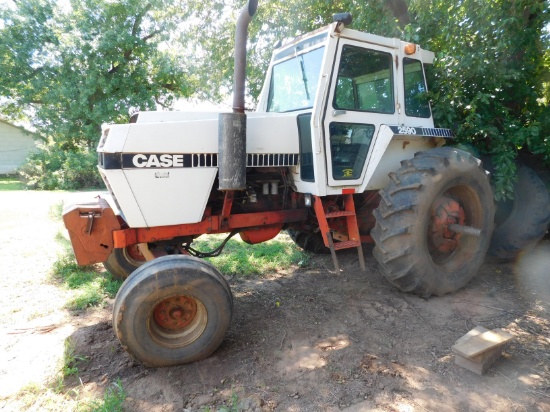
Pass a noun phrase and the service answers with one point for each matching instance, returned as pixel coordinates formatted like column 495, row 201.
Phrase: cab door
column 362, row 96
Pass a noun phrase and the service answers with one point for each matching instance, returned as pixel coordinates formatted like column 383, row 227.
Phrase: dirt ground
column 303, row 340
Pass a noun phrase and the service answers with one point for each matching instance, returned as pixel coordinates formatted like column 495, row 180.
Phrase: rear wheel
column 434, row 222
column 522, row 221
column 309, row 241
column 172, row 310
column 122, row 262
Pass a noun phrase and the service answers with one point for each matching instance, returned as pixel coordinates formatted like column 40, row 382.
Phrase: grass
column 112, row 401
column 233, row 407
column 30, row 395
column 53, row 396
column 88, row 287
column 38, row 397
column 56, row 212
column 71, row 359
column 11, row 183
column 240, row 258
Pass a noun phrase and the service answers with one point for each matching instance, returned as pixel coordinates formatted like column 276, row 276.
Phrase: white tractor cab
column 346, row 88
column 341, row 151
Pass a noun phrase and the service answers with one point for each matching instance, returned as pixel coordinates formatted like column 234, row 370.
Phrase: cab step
column 353, row 236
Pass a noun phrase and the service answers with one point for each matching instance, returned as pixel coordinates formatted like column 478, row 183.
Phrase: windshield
column 294, row 82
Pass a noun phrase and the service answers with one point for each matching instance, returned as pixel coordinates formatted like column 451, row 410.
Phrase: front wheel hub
column 175, row 312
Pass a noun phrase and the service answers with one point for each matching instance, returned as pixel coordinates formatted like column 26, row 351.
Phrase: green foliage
column 72, row 67
column 68, row 67
column 240, row 258
column 487, row 81
column 53, row 168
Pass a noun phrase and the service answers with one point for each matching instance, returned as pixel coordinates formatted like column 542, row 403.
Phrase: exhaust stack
column 232, row 126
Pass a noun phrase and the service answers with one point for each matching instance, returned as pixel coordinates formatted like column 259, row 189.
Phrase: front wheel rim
column 133, row 255
column 177, row 321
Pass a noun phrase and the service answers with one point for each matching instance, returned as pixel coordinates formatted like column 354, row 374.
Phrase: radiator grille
column 272, row 159
column 205, row 160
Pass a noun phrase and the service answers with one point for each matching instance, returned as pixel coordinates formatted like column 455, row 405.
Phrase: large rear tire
column 172, row 310
column 309, row 241
column 522, row 221
column 416, row 249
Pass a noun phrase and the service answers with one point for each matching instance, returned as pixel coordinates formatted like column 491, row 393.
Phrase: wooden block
column 480, row 348
column 478, row 330
column 480, row 365
column 478, row 343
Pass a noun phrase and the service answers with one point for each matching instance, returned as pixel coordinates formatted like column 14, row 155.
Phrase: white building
column 16, row 144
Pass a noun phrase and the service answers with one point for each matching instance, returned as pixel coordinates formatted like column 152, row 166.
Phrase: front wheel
column 434, row 222
column 172, row 310
column 122, row 262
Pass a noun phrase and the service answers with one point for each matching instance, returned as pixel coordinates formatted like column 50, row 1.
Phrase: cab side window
column 365, row 81
column 416, row 103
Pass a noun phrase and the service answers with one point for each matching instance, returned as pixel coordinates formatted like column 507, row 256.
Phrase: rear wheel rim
column 448, row 249
column 441, row 240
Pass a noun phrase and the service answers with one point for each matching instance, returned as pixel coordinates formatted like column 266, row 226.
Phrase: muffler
column 232, row 126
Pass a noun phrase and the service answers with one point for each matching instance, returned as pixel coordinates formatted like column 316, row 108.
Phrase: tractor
column 341, row 151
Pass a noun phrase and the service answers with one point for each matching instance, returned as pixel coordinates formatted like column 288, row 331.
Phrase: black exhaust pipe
column 232, row 126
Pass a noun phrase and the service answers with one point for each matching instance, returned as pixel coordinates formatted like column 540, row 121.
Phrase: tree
column 68, row 69
column 274, row 21
column 72, row 69
column 488, row 79
column 489, row 83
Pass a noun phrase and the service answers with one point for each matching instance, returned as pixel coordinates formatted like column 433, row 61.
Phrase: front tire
column 172, row 310
column 122, row 262
column 415, row 248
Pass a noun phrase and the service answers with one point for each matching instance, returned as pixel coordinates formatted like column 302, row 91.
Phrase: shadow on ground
column 312, row 340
